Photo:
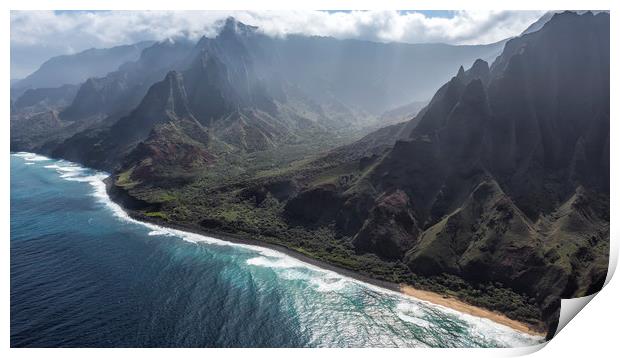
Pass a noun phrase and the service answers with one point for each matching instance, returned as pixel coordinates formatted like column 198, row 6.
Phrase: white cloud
column 48, row 33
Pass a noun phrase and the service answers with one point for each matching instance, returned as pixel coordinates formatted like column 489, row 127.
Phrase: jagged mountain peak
column 167, row 98
column 480, row 69
column 558, row 36
column 231, row 32
column 434, row 115
column 234, row 27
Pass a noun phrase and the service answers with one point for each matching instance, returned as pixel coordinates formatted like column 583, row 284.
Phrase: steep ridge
column 121, row 90
column 164, row 105
column 503, row 178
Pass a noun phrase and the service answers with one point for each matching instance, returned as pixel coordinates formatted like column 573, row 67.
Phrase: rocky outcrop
column 391, row 228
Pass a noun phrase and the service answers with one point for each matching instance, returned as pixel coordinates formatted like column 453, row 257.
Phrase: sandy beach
column 463, row 307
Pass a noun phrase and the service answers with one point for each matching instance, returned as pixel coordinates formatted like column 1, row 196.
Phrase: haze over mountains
column 496, row 192
column 297, row 84
column 506, row 175
column 75, row 69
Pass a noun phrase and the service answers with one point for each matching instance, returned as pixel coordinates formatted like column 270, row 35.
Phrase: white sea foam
column 36, row 158
column 412, row 309
column 31, row 157
column 329, row 284
column 485, row 328
column 412, row 313
column 414, row 320
column 264, row 261
column 289, row 267
column 294, row 275
column 482, row 327
column 158, row 233
column 69, row 170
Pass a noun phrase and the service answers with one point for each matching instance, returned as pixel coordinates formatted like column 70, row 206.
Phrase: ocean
column 84, row 274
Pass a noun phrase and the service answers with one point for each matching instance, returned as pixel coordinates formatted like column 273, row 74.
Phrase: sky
column 38, row 35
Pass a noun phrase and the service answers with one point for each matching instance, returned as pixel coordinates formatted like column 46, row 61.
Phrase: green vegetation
column 157, row 214
column 492, row 295
column 124, row 180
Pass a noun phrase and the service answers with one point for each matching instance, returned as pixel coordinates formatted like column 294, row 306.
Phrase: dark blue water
column 85, row 275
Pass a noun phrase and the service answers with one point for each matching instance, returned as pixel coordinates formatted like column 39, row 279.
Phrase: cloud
column 49, row 33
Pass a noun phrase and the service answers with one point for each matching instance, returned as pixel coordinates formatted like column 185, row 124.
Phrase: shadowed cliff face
column 163, row 117
column 122, row 90
column 551, row 112
column 505, row 175
column 539, row 128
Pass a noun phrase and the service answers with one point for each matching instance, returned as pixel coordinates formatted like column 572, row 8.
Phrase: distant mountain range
column 77, row 68
column 496, row 192
column 251, row 91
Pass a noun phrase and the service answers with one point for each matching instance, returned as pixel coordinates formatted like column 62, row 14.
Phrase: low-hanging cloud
column 38, row 35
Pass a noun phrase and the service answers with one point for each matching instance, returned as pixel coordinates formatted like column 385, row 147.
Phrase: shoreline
column 442, row 300
column 463, row 307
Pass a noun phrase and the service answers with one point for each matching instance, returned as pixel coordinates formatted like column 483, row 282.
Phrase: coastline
column 445, row 301
column 123, row 201
column 462, row 307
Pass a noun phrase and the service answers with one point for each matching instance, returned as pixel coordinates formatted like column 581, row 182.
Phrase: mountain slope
column 492, row 161
column 75, row 69
column 164, row 110
column 121, row 90
column 40, row 99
